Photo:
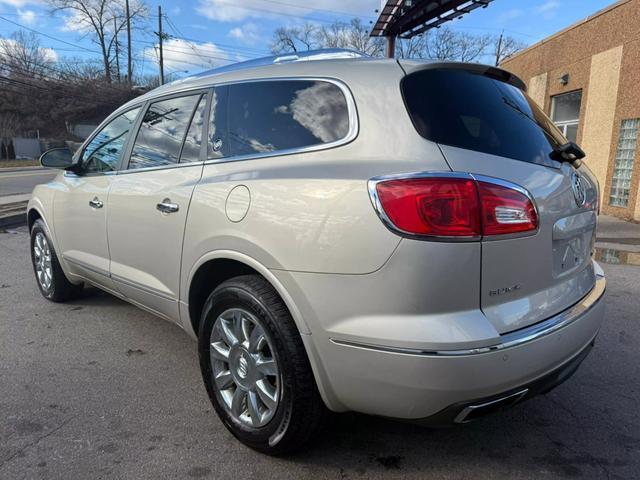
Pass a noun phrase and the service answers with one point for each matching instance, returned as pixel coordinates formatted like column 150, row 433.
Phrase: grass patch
column 19, row 163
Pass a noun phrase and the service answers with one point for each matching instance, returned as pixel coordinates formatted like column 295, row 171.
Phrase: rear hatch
column 486, row 125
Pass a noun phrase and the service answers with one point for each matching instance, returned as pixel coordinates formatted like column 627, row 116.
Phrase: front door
column 80, row 205
column 149, row 202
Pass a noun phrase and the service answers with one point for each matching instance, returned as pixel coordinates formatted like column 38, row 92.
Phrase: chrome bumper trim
column 508, row 340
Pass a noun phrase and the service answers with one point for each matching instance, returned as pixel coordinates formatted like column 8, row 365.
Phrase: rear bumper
column 415, row 384
column 467, row 411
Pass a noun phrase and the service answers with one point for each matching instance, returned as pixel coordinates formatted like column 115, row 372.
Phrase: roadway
column 97, row 388
column 14, row 181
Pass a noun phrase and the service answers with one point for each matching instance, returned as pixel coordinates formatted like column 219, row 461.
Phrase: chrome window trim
column 508, row 340
column 377, row 205
column 352, row 114
column 159, row 167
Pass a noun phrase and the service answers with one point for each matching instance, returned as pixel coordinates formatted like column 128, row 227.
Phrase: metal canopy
column 407, row 18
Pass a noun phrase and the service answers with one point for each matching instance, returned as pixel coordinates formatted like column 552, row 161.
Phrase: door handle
column 166, row 206
column 95, row 203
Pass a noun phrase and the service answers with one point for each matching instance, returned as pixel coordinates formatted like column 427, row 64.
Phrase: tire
column 54, row 286
column 245, row 305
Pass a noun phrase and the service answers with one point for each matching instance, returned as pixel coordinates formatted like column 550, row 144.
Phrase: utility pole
column 160, row 35
column 499, row 48
column 115, row 32
column 129, row 68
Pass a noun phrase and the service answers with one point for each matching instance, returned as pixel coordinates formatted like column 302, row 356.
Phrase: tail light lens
column 505, row 210
column 453, row 206
column 445, row 207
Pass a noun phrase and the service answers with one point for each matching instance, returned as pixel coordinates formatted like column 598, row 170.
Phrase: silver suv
column 398, row 238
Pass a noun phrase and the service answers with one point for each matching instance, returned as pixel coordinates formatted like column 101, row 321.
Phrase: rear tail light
column 455, row 206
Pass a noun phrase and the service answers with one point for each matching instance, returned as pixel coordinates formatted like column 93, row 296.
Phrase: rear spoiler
column 411, row 66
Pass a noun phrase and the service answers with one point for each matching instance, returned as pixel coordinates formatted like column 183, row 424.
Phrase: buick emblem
column 579, row 193
column 243, row 367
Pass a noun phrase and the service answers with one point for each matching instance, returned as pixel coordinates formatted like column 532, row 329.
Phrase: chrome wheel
column 42, row 261
column 244, row 367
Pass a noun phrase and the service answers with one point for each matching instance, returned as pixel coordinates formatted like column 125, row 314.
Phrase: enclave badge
column 577, row 185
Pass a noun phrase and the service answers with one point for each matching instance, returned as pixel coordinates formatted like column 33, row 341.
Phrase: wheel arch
column 216, row 267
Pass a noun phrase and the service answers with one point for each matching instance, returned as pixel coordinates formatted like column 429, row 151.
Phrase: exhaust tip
column 475, row 411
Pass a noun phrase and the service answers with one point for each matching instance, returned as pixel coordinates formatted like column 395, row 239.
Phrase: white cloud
column 20, row 3
column 181, row 55
column 176, row 10
column 548, row 9
column 247, row 34
column 76, row 22
column 510, row 15
column 235, row 11
column 548, row 6
column 27, row 16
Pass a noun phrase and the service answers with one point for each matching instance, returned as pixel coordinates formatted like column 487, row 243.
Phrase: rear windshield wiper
column 568, row 152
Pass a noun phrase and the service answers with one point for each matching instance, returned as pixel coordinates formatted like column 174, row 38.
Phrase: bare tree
column 295, row 39
column 446, row 44
column 505, row 47
column 104, row 20
column 353, row 35
column 9, row 127
column 22, row 55
column 414, row 47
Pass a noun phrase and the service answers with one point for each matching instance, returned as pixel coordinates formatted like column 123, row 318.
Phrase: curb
column 13, row 220
column 22, row 169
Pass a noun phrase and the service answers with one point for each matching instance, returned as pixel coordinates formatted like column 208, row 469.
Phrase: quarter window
column 102, row 154
column 565, row 113
column 271, row 116
column 623, row 167
column 162, row 132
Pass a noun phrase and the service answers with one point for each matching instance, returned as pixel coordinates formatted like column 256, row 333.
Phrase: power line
column 47, row 35
column 313, row 9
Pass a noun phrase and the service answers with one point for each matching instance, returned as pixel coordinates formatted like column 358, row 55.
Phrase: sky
column 210, row 33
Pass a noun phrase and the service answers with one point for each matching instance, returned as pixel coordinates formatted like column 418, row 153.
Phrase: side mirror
column 57, row 158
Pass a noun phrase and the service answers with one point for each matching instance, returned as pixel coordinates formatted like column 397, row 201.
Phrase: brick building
column 587, row 78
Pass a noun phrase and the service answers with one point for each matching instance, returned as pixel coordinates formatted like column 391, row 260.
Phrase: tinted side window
column 472, row 111
column 193, row 140
column 218, row 145
column 279, row 115
column 102, row 154
column 162, row 131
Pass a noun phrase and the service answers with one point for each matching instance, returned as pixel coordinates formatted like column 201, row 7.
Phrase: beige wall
column 600, row 112
column 538, row 89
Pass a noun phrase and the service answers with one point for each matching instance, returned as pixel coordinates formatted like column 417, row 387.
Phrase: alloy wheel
column 42, row 261
column 244, row 366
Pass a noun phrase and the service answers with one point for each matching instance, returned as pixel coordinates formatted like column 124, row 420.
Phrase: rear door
column 149, row 202
column 488, row 127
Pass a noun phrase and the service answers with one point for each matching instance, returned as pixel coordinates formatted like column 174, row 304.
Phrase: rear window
column 470, row 110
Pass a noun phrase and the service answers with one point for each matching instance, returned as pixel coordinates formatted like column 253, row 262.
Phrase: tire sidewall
column 266, row 437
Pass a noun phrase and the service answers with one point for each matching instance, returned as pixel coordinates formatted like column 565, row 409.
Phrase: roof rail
column 310, row 55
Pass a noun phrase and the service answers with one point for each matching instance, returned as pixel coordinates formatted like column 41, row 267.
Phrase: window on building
column 623, row 168
column 565, row 113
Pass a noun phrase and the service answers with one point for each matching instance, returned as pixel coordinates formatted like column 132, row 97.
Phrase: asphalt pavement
column 15, row 181
column 96, row 388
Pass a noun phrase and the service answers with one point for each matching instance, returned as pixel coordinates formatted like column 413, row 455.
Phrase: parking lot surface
column 96, row 388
